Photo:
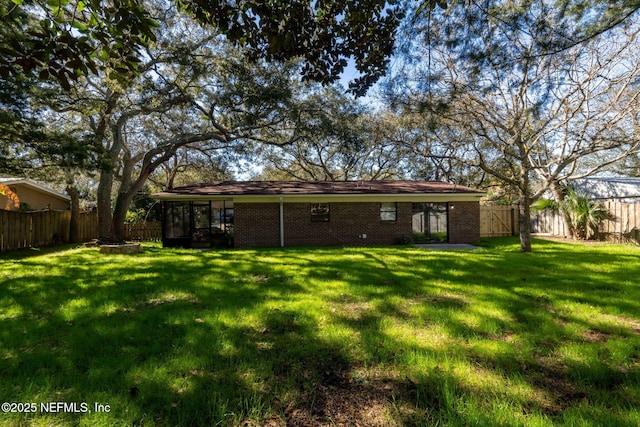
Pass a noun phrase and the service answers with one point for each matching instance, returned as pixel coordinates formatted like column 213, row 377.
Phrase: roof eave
column 37, row 186
column 319, row 198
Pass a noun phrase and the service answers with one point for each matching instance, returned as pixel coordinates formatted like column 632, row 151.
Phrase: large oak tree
column 511, row 109
column 193, row 92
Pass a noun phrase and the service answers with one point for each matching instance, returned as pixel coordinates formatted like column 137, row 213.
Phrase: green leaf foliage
column 325, row 35
column 587, row 215
column 62, row 45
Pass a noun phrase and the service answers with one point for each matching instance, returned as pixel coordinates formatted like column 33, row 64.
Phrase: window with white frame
column 319, row 212
column 388, row 211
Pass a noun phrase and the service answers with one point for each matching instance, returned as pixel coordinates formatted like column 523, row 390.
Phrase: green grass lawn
column 323, row 336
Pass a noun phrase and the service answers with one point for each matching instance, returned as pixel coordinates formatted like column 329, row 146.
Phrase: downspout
column 281, row 223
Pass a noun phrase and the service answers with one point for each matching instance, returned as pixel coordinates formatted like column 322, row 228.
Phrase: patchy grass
column 324, row 336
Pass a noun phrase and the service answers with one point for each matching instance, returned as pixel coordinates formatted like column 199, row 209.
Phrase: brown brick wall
column 348, row 221
column 258, row 225
column 464, row 222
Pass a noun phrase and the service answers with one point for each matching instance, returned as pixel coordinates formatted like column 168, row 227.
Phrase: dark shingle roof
column 273, row 188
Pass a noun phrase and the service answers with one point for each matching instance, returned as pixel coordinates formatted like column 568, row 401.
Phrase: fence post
column 513, row 222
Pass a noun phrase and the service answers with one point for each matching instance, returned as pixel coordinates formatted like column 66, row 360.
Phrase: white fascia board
column 191, row 198
column 35, row 186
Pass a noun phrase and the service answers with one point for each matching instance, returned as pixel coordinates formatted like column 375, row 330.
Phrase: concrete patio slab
column 447, row 246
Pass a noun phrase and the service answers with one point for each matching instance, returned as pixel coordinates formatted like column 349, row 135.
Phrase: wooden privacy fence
column 20, row 230
column 625, row 228
column 88, row 226
column 498, row 220
column 548, row 222
column 143, row 232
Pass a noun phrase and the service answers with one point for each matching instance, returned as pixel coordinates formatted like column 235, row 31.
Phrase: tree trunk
column 105, row 218
column 119, row 216
column 525, row 209
column 74, row 226
column 127, row 192
column 105, row 185
column 125, row 196
column 559, row 195
column 525, row 222
column 524, row 193
column 106, row 171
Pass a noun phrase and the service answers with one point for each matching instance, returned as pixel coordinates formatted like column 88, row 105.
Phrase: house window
column 320, row 212
column 388, row 211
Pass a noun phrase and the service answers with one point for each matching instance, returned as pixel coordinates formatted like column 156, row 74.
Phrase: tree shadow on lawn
column 134, row 332
column 198, row 338
column 584, row 364
column 35, row 252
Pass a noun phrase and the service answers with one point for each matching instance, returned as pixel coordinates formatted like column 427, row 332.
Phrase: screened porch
column 198, row 224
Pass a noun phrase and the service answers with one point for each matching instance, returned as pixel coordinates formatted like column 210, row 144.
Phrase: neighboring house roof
column 608, row 188
column 34, row 185
column 321, row 190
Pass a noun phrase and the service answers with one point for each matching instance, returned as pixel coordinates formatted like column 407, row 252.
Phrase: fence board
column 624, row 229
column 498, row 220
column 20, row 230
column 88, row 226
column 548, row 222
column 151, row 231
column 4, row 231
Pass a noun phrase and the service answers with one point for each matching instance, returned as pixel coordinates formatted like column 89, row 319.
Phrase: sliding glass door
column 430, row 222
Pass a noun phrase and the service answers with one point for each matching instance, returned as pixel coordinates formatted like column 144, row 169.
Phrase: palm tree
column 587, row 214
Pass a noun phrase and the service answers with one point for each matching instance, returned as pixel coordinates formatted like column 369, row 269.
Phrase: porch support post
column 281, row 223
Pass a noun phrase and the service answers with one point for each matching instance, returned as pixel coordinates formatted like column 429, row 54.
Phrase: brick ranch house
column 301, row 213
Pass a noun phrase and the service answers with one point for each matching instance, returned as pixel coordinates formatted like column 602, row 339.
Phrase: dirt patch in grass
column 340, row 400
column 595, row 336
column 355, row 310
column 556, row 391
column 632, row 324
column 443, row 300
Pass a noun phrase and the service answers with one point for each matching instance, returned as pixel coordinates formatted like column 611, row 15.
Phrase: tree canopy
column 64, row 39
column 61, row 40
column 502, row 101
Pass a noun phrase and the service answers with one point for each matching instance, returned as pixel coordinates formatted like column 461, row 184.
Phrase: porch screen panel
column 222, row 216
column 176, row 220
column 201, row 213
